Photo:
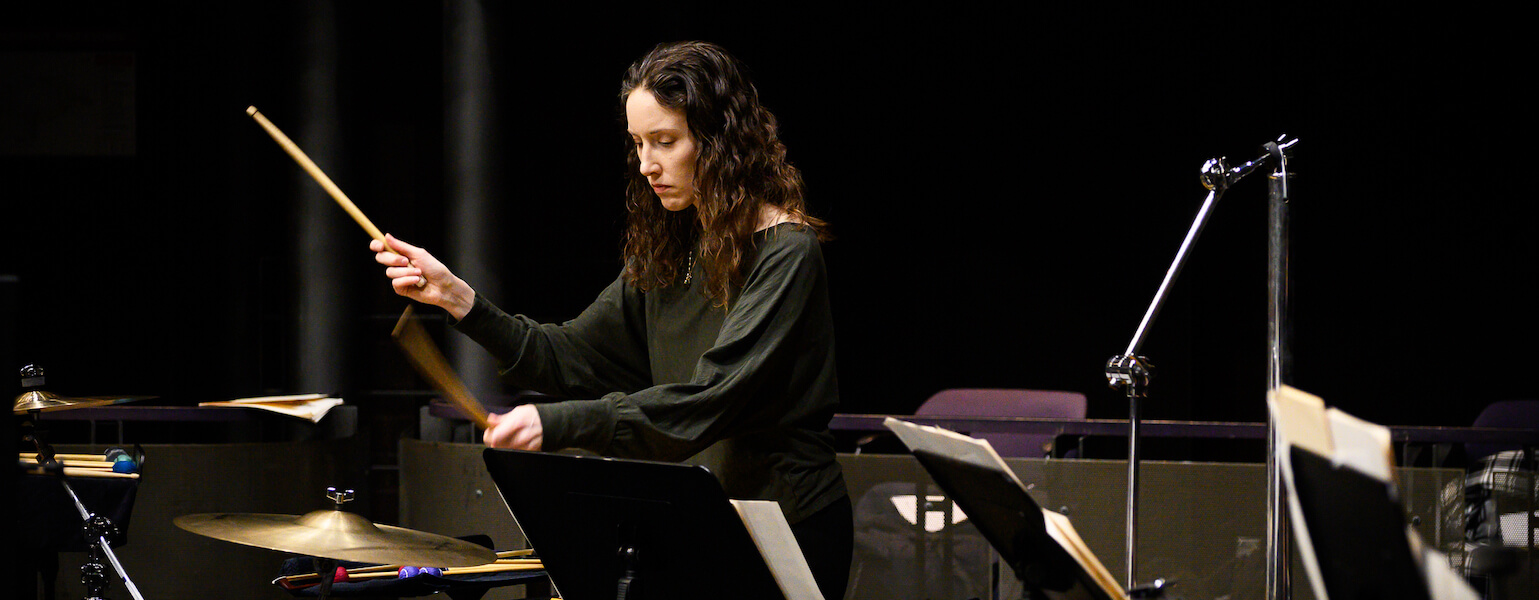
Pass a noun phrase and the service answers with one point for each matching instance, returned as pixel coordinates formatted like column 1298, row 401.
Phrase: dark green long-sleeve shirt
column 747, row 390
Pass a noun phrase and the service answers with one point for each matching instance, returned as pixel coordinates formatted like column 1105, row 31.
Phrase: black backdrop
column 1008, row 186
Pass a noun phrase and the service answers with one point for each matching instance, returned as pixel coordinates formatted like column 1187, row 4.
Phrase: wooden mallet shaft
column 79, row 472
column 80, row 457
column 69, row 462
column 392, row 569
column 424, row 355
column 303, row 580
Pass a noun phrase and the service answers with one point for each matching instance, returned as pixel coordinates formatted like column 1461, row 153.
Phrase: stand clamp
column 1132, row 372
column 93, row 574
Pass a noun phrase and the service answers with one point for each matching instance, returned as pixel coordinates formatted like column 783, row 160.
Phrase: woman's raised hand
column 416, row 274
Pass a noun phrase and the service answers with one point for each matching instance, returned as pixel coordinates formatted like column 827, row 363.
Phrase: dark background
column 1007, row 186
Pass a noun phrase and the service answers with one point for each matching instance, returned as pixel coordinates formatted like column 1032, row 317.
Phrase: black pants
column 827, row 539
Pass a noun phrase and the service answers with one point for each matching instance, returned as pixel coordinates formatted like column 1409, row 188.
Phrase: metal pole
column 1279, row 371
column 96, row 537
column 1132, row 492
column 1134, row 372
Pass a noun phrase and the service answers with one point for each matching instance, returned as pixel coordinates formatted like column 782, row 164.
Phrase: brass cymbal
column 42, row 401
column 337, row 534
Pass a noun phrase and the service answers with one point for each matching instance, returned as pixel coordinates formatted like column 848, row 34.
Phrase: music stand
column 978, row 481
column 1357, row 529
column 1012, row 522
column 1345, row 510
column 636, row 530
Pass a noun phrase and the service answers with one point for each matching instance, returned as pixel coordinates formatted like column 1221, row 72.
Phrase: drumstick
column 321, row 178
column 315, row 172
column 492, row 568
column 302, row 580
column 424, row 355
column 392, row 569
column 80, row 472
column 81, row 457
column 503, row 558
column 84, row 464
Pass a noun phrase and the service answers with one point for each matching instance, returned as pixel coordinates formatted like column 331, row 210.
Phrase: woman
column 715, row 344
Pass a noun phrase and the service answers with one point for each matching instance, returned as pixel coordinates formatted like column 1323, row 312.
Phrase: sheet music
column 311, row 407
column 1442, row 581
column 1361, row 446
column 1063, row 532
column 970, row 450
column 1300, row 420
column 772, row 534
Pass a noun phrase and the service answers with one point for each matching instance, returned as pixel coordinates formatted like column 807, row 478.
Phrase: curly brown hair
column 740, row 167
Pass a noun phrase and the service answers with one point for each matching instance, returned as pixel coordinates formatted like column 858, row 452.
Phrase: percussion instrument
column 44, row 401
column 337, row 534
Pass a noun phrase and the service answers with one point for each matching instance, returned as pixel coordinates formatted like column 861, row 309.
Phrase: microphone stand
column 1279, row 367
column 1132, row 372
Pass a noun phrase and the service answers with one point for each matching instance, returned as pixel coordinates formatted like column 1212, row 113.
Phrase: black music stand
column 979, row 481
column 1357, row 529
column 1012, row 522
column 636, row 530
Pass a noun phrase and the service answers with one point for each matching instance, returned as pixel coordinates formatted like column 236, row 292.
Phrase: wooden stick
column 321, row 178
column 80, row 457
column 78, row 472
column 392, row 569
column 84, row 464
column 299, row 581
column 315, row 172
column 424, row 355
column 502, row 564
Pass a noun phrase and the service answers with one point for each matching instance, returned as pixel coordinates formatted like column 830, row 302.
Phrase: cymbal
column 42, row 401
column 338, row 534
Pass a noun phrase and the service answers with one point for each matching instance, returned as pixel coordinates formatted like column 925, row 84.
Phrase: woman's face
column 665, row 147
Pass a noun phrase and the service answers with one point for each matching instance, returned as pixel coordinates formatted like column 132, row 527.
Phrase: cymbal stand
column 97, row 530
column 326, row 567
column 1130, row 371
column 1279, row 363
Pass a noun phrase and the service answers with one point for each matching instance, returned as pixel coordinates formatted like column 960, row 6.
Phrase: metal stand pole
column 97, row 529
column 1279, row 368
column 1133, row 371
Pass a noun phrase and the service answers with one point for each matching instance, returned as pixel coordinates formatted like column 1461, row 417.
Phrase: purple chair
column 1506, row 413
column 1001, row 402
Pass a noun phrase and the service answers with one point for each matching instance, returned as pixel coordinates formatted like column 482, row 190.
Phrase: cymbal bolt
column 340, row 497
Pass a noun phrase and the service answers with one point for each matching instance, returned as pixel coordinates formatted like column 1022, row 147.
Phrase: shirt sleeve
column 763, row 367
column 603, row 350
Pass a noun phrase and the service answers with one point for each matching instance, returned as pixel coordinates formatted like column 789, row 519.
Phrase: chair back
column 1004, row 402
column 1522, row 414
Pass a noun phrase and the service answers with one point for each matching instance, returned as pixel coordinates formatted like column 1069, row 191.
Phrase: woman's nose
column 649, row 167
